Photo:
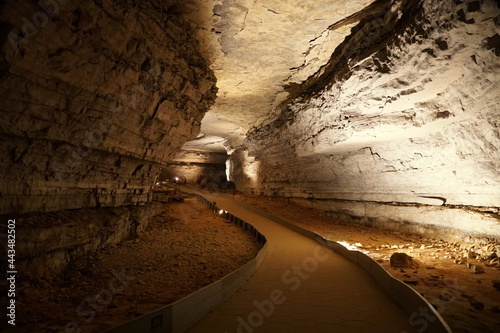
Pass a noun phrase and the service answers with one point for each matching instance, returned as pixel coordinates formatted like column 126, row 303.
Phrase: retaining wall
column 180, row 315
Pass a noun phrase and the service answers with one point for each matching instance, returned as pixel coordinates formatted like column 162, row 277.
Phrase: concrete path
column 301, row 287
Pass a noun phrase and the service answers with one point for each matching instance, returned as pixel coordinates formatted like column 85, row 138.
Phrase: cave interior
column 376, row 112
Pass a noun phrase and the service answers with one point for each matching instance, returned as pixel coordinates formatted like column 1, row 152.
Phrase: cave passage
column 301, row 285
column 379, row 114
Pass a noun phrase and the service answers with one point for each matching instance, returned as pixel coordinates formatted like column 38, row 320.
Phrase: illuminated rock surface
column 94, row 101
column 413, row 117
column 379, row 112
column 403, row 117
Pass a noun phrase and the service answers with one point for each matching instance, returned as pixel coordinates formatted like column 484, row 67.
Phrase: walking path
column 301, row 287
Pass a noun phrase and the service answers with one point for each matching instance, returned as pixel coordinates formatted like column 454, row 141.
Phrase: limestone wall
column 47, row 242
column 406, row 112
column 95, row 97
column 197, row 166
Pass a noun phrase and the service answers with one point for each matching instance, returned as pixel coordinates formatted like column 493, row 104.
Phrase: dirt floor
column 189, row 247
column 449, row 276
column 181, row 251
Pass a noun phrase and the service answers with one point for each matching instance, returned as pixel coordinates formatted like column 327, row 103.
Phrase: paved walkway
column 301, row 287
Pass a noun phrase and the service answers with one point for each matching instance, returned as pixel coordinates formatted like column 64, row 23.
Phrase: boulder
column 477, row 269
column 401, row 260
column 496, row 284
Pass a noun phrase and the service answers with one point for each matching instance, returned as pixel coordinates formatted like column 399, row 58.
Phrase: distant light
column 157, row 184
column 221, row 212
column 251, row 167
column 176, row 179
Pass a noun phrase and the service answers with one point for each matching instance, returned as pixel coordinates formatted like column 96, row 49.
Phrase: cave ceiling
column 257, row 48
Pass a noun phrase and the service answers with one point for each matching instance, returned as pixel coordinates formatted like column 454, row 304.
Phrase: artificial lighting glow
column 250, row 167
column 176, row 179
column 229, row 169
column 221, row 211
column 353, row 247
column 348, row 246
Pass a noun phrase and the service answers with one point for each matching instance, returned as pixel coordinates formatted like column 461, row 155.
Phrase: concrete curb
column 182, row 314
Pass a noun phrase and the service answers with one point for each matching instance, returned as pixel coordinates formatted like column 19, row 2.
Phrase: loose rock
column 401, row 260
column 477, row 269
column 496, row 284
column 477, row 305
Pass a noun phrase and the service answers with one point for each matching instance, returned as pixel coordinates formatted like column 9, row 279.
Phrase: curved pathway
column 301, row 287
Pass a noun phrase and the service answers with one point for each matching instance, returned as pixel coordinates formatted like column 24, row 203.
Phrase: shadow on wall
column 92, row 107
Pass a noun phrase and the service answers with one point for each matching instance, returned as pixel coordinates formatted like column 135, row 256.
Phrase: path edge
column 419, row 310
column 182, row 314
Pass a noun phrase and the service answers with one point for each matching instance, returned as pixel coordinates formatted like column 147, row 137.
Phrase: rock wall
column 47, row 242
column 96, row 96
column 195, row 166
column 405, row 113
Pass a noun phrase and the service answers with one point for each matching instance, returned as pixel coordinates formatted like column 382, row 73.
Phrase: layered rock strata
column 198, row 166
column 404, row 114
column 96, row 96
column 47, row 242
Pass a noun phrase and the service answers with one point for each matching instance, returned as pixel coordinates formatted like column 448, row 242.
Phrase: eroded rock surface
column 380, row 112
column 195, row 166
column 266, row 45
column 96, row 95
column 46, row 243
column 404, row 114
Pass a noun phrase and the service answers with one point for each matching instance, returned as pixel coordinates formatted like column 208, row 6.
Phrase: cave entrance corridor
column 379, row 118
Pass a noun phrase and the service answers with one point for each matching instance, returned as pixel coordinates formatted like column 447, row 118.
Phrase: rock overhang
column 259, row 48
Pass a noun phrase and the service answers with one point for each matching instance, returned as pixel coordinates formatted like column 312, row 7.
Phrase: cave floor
column 187, row 243
column 134, row 270
column 466, row 301
column 300, row 286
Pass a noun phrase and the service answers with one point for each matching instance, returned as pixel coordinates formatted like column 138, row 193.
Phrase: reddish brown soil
column 189, row 247
column 467, row 301
column 182, row 250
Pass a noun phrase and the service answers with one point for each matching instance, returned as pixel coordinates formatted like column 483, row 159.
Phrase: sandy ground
column 467, row 301
column 189, row 247
column 181, row 251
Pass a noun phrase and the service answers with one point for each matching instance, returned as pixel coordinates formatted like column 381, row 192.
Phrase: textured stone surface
column 384, row 112
column 197, row 165
column 450, row 223
column 405, row 112
column 47, row 242
column 265, row 45
column 95, row 97
column 399, row 259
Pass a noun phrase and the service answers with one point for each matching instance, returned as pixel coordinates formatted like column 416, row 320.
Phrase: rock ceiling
column 259, row 47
